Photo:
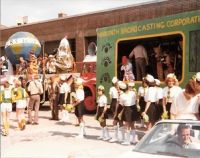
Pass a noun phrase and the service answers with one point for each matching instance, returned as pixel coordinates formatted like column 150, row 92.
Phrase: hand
column 143, row 113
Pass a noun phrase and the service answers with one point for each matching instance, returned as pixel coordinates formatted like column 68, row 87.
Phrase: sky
column 41, row 10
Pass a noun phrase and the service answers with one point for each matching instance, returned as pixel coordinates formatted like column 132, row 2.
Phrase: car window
column 164, row 139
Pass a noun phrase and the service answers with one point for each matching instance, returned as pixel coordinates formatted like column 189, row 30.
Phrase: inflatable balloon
column 20, row 44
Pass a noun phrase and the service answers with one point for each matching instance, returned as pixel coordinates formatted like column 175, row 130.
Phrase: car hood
column 131, row 154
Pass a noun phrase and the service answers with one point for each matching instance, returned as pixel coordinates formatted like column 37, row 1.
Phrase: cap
column 171, row 75
column 150, row 78
column 157, row 82
column 122, row 85
column 79, row 81
column 114, row 80
column 101, row 88
column 198, row 76
column 131, row 84
column 124, row 59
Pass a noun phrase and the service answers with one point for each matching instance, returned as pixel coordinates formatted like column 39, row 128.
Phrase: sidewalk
column 52, row 139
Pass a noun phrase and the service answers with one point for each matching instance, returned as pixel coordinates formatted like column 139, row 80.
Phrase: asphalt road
column 53, row 139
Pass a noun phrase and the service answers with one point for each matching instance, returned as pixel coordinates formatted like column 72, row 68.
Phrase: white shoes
column 100, row 138
column 106, row 138
column 113, row 140
column 80, row 136
column 126, row 143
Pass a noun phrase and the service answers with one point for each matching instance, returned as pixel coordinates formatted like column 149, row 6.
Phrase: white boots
column 134, row 137
column 127, row 140
column 115, row 138
column 82, row 131
column 64, row 116
column 104, row 134
column 122, row 132
column 131, row 138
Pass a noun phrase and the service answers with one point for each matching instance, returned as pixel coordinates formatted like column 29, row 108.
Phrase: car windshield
column 172, row 139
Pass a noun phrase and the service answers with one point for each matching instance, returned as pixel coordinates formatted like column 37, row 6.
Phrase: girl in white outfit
column 130, row 114
column 79, row 106
column 170, row 91
column 101, row 114
column 186, row 104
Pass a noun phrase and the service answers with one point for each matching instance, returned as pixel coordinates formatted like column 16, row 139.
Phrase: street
column 56, row 139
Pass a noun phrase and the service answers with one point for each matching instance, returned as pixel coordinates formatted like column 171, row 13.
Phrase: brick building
column 81, row 29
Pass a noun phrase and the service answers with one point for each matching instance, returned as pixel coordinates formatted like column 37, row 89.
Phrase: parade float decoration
column 64, row 59
column 20, row 44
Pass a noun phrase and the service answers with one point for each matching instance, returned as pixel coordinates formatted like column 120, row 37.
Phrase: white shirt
column 113, row 93
column 139, row 52
column 142, row 91
column 152, row 94
column 159, row 93
column 132, row 96
column 126, row 99
column 121, row 97
column 183, row 108
column 35, row 87
column 169, row 93
column 64, row 88
column 102, row 101
column 80, row 95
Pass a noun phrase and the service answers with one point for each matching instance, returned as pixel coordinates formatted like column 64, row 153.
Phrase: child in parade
column 101, row 114
column 6, row 107
column 113, row 92
column 136, row 110
column 130, row 113
column 114, row 96
column 79, row 106
column 64, row 90
column 142, row 92
column 150, row 108
column 127, row 67
column 170, row 91
column 159, row 97
column 19, row 95
column 119, row 112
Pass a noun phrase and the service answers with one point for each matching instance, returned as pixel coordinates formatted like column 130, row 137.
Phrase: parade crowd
column 146, row 105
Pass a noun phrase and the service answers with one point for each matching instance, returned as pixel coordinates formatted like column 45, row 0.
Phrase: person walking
column 35, row 89
column 114, row 96
column 150, row 108
column 20, row 97
column 6, row 107
column 79, row 106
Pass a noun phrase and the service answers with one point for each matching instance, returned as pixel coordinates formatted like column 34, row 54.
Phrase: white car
column 167, row 139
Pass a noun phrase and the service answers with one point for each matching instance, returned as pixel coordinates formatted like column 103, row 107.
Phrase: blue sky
column 39, row 10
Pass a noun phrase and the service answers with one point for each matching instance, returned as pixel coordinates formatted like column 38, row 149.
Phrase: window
column 164, row 56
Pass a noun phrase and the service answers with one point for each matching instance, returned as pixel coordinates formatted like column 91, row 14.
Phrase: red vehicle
column 88, row 74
